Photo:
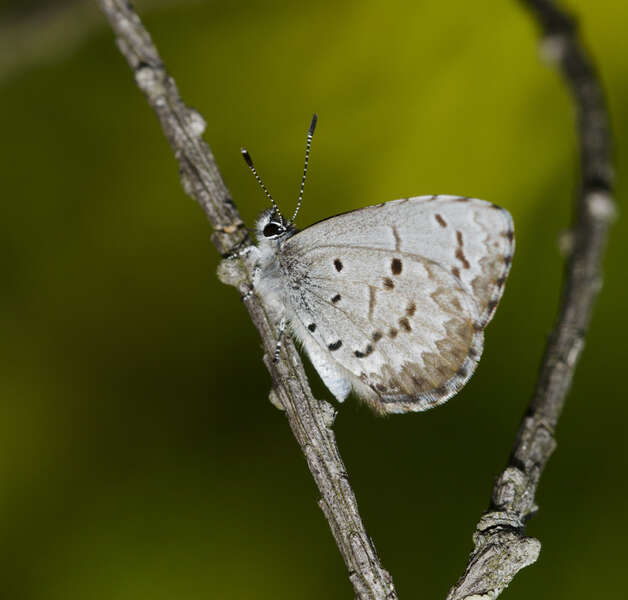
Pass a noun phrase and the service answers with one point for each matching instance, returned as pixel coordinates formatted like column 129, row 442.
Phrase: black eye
column 272, row 229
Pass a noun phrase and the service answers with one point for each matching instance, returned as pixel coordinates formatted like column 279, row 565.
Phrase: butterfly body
column 390, row 300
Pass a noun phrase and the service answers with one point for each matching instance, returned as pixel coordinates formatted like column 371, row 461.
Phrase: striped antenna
column 310, row 133
column 249, row 161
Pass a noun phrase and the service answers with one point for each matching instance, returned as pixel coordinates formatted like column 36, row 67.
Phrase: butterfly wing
column 392, row 299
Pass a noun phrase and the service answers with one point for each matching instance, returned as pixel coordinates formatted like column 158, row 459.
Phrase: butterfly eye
column 272, row 229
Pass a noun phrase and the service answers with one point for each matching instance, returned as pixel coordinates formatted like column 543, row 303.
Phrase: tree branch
column 309, row 419
column 501, row 549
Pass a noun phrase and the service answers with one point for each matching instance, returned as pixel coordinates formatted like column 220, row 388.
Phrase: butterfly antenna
column 310, row 133
column 249, row 161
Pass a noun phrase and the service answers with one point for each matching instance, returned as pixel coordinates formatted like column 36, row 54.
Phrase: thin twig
column 309, row 419
column 501, row 548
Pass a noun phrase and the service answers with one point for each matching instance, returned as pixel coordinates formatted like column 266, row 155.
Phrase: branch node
column 151, row 81
column 275, row 400
column 494, row 563
column 553, row 48
column 195, row 123
column 566, row 240
column 601, row 206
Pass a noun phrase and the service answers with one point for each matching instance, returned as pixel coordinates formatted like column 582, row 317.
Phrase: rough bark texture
column 501, row 548
column 309, row 419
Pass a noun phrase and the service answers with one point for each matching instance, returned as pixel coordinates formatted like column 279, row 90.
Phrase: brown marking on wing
column 405, row 324
column 372, row 292
column 459, row 252
column 397, row 239
column 462, row 258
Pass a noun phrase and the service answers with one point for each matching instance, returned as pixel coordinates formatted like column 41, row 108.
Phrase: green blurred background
column 139, row 455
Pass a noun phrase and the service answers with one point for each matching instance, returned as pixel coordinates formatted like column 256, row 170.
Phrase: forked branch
column 501, row 548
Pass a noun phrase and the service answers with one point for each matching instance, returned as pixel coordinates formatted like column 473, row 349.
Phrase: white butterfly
column 389, row 300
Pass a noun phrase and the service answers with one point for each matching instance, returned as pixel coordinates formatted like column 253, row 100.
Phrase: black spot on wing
column 396, row 266
column 336, row 298
column 335, row 345
column 312, row 327
column 338, row 264
column 368, row 350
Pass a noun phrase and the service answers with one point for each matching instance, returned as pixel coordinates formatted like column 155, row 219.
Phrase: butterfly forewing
column 472, row 238
column 392, row 299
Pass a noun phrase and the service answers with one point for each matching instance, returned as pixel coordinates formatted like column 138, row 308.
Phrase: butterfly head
column 271, row 227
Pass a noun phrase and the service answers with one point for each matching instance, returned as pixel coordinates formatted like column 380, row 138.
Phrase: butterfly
column 391, row 300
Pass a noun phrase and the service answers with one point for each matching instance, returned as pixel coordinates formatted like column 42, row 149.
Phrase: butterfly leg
column 255, row 277
column 282, row 329
column 241, row 250
column 247, row 294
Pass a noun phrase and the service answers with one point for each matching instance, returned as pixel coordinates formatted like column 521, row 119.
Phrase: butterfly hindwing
column 402, row 329
column 392, row 302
